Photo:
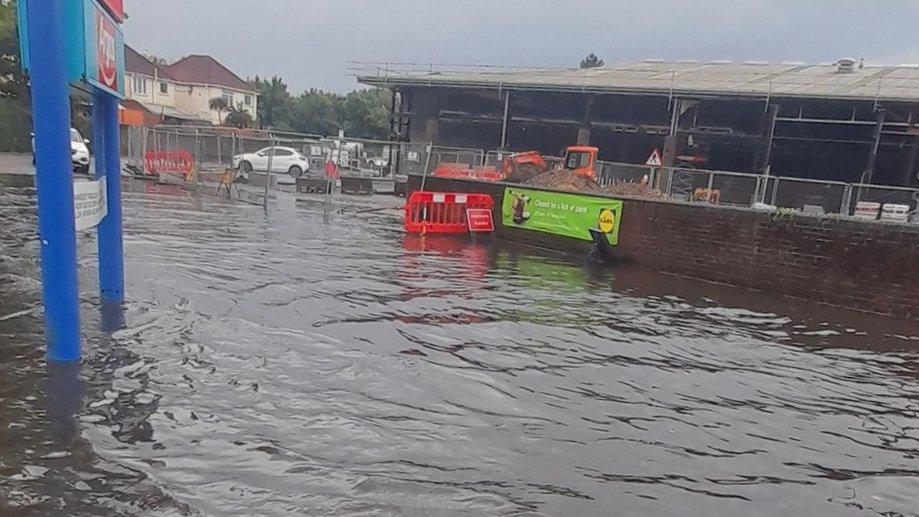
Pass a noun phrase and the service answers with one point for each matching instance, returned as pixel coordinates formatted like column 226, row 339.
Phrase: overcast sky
column 310, row 42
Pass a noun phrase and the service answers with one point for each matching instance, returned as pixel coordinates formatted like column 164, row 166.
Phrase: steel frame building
column 842, row 121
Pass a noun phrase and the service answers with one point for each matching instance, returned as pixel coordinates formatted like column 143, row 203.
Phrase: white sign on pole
column 90, row 203
column 655, row 159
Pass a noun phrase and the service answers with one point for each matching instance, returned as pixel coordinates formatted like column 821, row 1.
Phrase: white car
column 284, row 160
column 79, row 152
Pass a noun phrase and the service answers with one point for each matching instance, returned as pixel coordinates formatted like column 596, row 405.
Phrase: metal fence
column 214, row 148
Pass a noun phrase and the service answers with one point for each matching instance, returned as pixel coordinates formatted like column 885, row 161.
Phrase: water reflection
column 314, row 360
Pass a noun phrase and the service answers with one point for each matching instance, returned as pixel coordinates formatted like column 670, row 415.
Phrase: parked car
column 79, row 152
column 283, row 160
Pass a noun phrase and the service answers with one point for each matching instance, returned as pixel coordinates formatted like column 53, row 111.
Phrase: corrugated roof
column 712, row 78
column 201, row 69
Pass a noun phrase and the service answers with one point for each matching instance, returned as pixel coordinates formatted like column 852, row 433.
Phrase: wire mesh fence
column 216, row 148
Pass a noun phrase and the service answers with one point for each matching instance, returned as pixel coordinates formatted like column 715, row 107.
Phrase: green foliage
column 220, row 105
column 274, row 102
column 365, row 113
column 15, row 124
column 361, row 113
column 592, row 61
column 239, row 118
column 12, row 82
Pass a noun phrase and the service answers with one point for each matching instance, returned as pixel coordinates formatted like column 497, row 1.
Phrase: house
column 151, row 94
column 200, row 78
column 180, row 93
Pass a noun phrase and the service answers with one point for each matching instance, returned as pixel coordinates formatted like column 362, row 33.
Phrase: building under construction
column 844, row 121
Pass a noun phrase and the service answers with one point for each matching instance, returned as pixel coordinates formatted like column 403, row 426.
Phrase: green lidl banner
column 568, row 215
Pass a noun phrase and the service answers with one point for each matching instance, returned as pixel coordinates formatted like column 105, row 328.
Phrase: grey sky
column 309, row 42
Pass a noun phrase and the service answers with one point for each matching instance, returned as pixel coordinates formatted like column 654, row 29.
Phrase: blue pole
column 98, row 134
column 54, row 178
column 111, row 248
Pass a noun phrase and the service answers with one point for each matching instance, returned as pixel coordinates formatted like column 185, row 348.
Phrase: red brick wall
column 870, row 267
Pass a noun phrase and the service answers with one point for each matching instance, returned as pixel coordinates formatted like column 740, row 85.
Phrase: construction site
column 845, row 122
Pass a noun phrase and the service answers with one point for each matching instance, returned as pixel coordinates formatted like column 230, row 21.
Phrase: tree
column 220, row 105
column 592, row 61
column 365, row 113
column 316, row 111
column 274, row 102
column 239, row 118
column 12, row 80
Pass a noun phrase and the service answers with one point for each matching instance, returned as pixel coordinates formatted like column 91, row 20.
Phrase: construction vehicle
column 580, row 161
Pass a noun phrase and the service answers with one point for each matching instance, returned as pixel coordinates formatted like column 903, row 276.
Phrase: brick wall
column 869, row 267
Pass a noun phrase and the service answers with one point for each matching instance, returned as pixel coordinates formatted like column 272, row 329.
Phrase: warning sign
column 655, row 159
column 480, row 220
column 90, row 203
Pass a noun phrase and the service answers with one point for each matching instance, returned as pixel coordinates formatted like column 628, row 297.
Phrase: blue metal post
column 98, row 134
column 111, row 248
column 54, row 178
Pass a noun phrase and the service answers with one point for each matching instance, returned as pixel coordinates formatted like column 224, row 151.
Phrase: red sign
column 175, row 162
column 655, row 159
column 105, row 51
column 480, row 220
column 115, row 8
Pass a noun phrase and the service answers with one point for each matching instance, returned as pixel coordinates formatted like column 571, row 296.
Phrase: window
column 283, row 152
column 577, row 160
column 248, row 100
column 227, row 96
column 164, row 88
column 140, row 85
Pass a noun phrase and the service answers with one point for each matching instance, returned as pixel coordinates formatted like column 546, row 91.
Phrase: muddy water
column 313, row 360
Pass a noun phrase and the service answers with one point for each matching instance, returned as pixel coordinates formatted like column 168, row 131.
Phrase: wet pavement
column 315, row 360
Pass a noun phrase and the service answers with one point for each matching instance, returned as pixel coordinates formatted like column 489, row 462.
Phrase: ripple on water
column 313, row 360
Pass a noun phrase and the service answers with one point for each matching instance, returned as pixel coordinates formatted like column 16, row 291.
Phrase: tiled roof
column 136, row 63
column 200, row 69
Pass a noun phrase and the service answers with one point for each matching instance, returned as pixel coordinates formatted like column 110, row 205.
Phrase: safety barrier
column 442, row 212
column 169, row 162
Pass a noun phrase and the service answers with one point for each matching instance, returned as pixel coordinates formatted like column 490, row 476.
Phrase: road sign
column 94, row 45
column 480, row 220
column 655, row 159
column 115, row 8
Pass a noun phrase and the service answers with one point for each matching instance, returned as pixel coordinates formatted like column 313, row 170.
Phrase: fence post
column 846, row 206
column 711, row 180
column 775, row 190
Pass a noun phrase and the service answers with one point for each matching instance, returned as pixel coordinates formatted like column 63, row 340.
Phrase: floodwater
column 313, row 360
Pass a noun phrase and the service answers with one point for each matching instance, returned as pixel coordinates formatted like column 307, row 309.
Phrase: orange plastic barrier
column 463, row 171
column 442, row 212
column 174, row 162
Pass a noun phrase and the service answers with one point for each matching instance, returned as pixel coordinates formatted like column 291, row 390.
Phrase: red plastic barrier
column 442, row 212
column 175, row 162
column 463, row 171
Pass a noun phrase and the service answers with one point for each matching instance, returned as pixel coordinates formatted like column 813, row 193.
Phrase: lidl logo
column 607, row 220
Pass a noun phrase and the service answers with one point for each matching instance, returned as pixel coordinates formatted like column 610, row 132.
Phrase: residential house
column 180, row 93
column 151, row 94
column 200, row 78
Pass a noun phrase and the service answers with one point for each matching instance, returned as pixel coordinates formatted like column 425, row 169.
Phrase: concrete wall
column 863, row 266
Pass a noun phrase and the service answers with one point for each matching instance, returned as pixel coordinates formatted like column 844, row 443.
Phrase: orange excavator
column 579, row 161
column 520, row 167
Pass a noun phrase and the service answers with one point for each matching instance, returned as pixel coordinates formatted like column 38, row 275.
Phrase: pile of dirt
column 523, row 173
column 630, row 188
column 563, row 180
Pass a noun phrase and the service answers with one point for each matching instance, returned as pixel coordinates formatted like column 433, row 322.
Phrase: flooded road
column 314, row 360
